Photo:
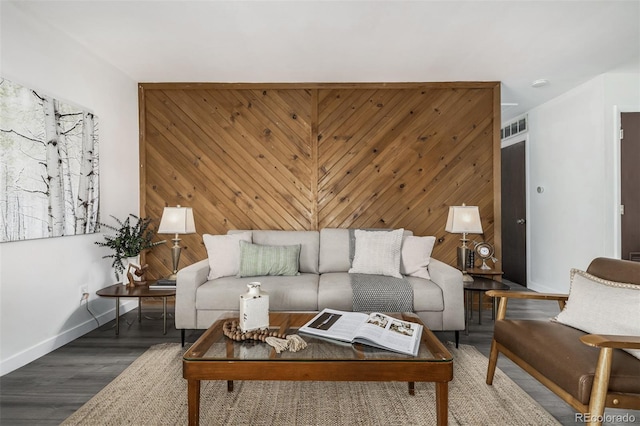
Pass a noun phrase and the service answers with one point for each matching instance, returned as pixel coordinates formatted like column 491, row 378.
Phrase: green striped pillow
column 258, row 260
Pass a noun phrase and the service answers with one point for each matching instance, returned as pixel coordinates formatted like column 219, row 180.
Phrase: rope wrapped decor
column 279, row 341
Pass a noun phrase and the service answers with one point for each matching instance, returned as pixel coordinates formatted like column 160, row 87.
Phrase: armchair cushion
column 557, row 353
column 600, row 306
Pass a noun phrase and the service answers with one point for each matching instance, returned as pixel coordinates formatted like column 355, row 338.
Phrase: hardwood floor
column 48, row 390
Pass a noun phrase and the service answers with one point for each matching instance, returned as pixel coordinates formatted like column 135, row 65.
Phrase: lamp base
column 463, row 253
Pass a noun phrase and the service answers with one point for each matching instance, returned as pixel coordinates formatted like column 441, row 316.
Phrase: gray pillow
column 259, row 260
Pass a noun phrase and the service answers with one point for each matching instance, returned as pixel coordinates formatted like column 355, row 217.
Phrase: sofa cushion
column 334, row 291
column 600, row 306
column 416, row 253
column 377, row 252
column 257, row 260
column 298, row 293
column 223, row 252
column 334, row 250
column 309, row 244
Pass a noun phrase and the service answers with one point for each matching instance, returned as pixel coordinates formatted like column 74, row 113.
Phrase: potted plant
column 130, row 239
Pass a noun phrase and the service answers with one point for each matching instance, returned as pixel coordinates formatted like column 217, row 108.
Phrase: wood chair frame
column 600, row 396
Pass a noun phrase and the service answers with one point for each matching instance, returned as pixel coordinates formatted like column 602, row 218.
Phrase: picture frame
column 49, row 166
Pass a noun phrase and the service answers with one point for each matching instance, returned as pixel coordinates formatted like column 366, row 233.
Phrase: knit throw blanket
column 378, row 293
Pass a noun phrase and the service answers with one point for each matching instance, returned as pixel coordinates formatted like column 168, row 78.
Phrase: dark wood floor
column 48, row 390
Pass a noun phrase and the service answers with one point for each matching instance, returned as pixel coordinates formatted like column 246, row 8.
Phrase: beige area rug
column 152, row 392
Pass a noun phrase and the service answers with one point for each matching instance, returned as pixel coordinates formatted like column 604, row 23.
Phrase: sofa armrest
column 505, row 295
column 449, row 279
column 188, row 281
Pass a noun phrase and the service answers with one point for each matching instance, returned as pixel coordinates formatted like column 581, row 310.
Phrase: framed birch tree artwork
column 49, row 176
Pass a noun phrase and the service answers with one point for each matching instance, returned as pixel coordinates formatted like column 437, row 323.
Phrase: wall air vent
column 514, row 128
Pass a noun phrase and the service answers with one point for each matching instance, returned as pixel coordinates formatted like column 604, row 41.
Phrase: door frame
column 617, row 170
column 524, row 137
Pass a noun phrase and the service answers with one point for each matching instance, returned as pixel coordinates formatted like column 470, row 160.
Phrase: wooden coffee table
column 216, row 357
column 142, row 291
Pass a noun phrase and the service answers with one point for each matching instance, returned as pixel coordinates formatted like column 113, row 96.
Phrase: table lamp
column 463, row 220
column 176, row 220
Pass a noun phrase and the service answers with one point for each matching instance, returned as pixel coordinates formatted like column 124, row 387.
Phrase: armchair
column 588, row 371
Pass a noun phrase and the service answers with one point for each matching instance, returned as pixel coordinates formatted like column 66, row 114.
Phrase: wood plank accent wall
column 310, row 156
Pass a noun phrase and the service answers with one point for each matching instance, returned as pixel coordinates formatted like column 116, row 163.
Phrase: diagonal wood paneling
column 400, row 157
column 240, row 158
column 308, row 156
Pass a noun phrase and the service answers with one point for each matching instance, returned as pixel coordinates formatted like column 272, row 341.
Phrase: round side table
column 120, row 290
column 480, row 285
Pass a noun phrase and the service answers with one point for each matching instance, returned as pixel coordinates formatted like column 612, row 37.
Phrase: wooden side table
column 120, row 290
column 480, row 285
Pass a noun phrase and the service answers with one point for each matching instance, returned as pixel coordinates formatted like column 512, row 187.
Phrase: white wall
column 622, row 94
column 572, row 155
column 40, row 279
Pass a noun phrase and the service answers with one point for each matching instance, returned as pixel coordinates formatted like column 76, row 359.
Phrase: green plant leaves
column 132, row 236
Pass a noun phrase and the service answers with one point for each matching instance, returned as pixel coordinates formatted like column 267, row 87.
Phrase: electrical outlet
column 84, row 290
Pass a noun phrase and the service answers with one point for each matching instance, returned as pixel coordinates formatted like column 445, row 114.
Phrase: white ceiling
column 515, row 42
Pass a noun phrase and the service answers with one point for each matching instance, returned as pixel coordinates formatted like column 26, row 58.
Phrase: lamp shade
column 464, row 219
column 177, row 220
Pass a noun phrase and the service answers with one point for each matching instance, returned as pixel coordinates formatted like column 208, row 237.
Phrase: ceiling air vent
column 514, row 128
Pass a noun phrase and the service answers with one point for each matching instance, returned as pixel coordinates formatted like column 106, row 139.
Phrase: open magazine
column 375, row 329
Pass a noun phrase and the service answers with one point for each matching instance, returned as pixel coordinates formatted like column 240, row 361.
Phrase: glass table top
column 213, row 345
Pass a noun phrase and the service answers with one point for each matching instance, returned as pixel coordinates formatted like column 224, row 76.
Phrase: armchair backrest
column 623, row 271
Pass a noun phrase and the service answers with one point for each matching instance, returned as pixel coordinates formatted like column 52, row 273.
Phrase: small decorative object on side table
column 133, row 271
column 485, row 251
column 163, row 284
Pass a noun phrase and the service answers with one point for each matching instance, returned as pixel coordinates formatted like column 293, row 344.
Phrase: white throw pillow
column 416, row 253
column 224, row 253
column 377, row 253
column 598, row 306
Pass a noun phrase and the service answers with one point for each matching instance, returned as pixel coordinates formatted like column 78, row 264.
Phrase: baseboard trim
column 49, row 345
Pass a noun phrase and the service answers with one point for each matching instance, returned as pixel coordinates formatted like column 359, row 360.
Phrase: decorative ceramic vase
column 254, row 308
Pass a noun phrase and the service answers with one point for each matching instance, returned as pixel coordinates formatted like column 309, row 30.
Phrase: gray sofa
column 323, row 282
